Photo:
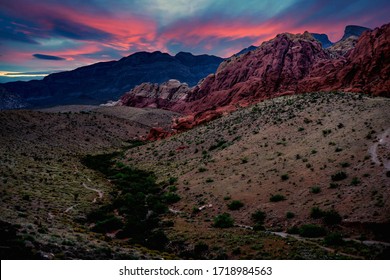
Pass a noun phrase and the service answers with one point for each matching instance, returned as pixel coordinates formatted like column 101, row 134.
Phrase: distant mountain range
column 288, row 64
column 100, row 82
column 353, row 31
column 104, row 81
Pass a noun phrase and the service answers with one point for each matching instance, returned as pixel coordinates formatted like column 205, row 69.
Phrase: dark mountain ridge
column 103, row 81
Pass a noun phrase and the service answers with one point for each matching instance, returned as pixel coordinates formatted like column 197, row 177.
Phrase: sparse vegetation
column 235, row 205
column 284, row 177
column 311, row 231
column 277, row 198
column 334, row 239
column 223, row 221
column 315, row 189
column 260, row 147
column 355, row 181
column 290, row 215
column 339, row 176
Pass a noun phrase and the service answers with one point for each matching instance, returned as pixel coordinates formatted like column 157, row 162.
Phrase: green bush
column 110, row 224
column 293, row 230
column 316, row 213
column 355, row 181
column 341, row 175
column 311, row 231
column 171, row 197
column 334, row 239
column 259, row 217
column 223, row 221
column 290, row 215
column 315, row 189
column 332, row 217
column 277, row 198
column 284, row 177
column 235, row 205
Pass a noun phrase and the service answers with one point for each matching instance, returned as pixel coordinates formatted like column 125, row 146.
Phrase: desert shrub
column 334, row 239
column 277, row 198
column 293, row 230
column 315, row 189
column 333, row 185
column 331, row 217
column 157, row 240
column 259, row 217
column 341, row 175
column 200, row 248
column 223, row 221
column 311, row 231
column 235, row 205
column 316, row 213
column 284, row 177
column 355, row 181
column 345, row 164
column 172, row 180
column 326, row 132
column 202, row 169
column 110, row 224
column 171, row 197
column 290, row 215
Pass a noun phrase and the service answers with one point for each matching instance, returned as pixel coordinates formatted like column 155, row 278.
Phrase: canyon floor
column 296, row 177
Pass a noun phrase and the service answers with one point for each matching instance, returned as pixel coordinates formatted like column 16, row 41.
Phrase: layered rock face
column 288, row 64
column 163, row 95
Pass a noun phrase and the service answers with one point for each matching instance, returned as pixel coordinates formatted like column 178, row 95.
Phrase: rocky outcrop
column 162, row 96
column 349, row 40
column 287, row 64
column 367, row 69
column 104, row 81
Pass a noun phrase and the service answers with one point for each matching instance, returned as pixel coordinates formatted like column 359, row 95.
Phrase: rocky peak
column 287, row 64
column 323, row 39
column 349, row 40
column 353, row 30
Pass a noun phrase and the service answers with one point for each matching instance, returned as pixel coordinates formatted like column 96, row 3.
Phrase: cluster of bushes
column 137, row 204
column 330, row 217
column 259, row 217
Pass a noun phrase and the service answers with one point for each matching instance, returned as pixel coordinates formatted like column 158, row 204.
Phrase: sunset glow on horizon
column 51, row 35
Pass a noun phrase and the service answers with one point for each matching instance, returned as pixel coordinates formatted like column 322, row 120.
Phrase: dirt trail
column 382, row 143
column 99, row 192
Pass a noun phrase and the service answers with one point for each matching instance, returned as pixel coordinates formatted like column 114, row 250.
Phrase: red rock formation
column 287, row 64
column 157, row 133
column 151, row 95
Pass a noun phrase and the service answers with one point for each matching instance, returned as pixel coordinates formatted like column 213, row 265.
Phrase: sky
column 41, row 37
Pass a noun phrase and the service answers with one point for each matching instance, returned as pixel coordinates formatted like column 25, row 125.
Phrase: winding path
column 384, row 141
column 100, row 193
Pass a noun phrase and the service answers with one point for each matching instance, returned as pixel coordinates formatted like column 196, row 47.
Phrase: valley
column 295, row 177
